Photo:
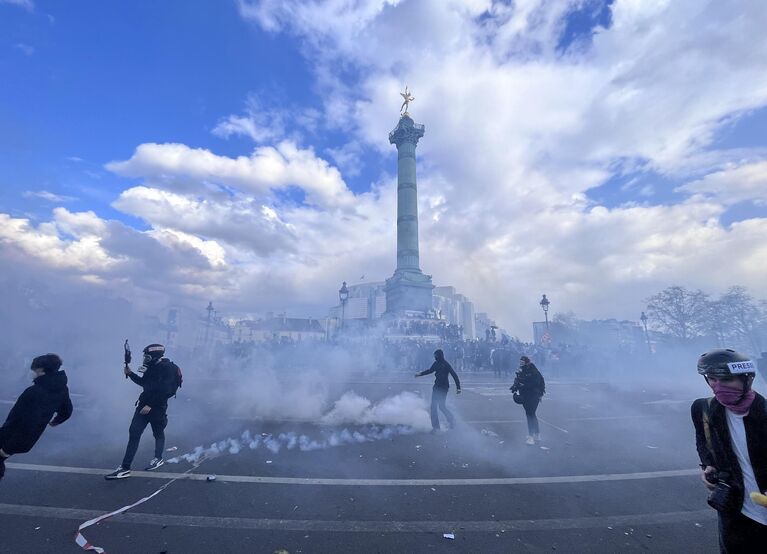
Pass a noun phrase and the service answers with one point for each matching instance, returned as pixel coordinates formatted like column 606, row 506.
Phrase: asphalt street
column 616, row 472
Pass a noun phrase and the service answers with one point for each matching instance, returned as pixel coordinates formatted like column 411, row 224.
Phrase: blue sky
column 104, row 78
column 253, row 135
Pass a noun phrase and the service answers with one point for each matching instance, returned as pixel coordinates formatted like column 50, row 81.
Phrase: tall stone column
column 405, row 136
column 408, row 290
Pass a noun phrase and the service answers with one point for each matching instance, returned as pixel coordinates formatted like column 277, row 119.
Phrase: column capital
column 406, row 130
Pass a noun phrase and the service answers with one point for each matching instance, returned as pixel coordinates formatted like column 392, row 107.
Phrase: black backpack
column 175, row 379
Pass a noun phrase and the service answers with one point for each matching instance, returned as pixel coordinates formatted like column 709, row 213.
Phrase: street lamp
column 545, row 307
column 643, row 318
column 343, row 296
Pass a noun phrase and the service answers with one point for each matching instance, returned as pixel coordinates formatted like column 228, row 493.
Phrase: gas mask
column 148, row 360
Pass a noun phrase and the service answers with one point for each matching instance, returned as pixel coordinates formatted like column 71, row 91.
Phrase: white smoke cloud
column 402, row 414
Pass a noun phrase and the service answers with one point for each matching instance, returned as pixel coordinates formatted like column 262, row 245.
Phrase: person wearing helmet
column 528, row 389
column 731, row 439
column 34, row 410
column 441, row 370
column 158, row 385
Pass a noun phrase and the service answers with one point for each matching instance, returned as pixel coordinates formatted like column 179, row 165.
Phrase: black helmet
column 153, row 352
column 725, row 362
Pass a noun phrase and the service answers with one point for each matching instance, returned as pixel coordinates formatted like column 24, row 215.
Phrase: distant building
column 456, row 309
column 367, row 302
column 278, row 328
column 598, row 333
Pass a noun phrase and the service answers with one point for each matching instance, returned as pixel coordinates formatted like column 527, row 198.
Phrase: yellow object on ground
column 759, row 498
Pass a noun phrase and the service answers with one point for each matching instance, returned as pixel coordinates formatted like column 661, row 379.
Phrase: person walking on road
column 159, row 382
column 35, row 408
column 441, row 369
column 731, row 439
column 528, row 388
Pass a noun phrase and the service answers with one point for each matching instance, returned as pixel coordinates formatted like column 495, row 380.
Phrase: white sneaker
column 119, row 473
column 154, row 464
column 530, row 440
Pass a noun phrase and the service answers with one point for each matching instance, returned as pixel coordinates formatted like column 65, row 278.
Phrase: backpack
column 176, row 380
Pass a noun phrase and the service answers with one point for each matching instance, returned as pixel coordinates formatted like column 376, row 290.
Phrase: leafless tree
column 741, row 316
column 679, row 312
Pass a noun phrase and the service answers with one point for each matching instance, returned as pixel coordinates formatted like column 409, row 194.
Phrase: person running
column 35, row 408
column 441, row 369
column 159, row 382
column 528, row 388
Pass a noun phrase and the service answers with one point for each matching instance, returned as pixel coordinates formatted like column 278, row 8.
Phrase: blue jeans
column 438, row 399
column 531, row 405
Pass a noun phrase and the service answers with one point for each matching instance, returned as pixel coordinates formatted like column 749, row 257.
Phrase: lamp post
column 643, row 318
column 210, row 309
column 545, row 307
column 343, row 296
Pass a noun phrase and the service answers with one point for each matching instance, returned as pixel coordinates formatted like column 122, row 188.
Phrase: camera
column 723, row 498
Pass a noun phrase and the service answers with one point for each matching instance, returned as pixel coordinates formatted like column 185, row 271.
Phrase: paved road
column 615, row 473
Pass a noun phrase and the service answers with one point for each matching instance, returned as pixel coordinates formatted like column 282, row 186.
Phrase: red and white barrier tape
column 83, row 542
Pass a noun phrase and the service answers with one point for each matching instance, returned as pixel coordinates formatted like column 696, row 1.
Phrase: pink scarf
column 733, row 398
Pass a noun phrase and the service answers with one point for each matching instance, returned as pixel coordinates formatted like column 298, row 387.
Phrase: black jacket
column 529, row 382
column 158, row 384
column 723, row 456
column 34, row 410
column 441, row 369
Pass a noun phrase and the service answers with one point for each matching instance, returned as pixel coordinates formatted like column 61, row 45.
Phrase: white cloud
column 81, row 252
column 267, row 119
column 108, row 253
column 242, row 222
column 26, row 4
column 736, row 183
column 48, row 196
column 267, row 169
column 26, row 48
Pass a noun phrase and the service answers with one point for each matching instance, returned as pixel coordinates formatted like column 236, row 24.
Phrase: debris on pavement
column 489, row 433
column 450, row 536
column 268, row 461
column 210, row 478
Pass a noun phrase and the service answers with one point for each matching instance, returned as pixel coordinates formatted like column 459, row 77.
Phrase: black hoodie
column 157, row 382
column 441, row 368
column 529, row 382
column 34, row 410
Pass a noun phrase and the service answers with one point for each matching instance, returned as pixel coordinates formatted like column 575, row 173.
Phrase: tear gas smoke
column 405, row 408
column 291, row 440
column 403, row 414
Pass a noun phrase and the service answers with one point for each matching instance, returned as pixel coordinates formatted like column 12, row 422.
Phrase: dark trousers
column 531, row 405
column 739, row 534
column 158, row 419
column 438, row 399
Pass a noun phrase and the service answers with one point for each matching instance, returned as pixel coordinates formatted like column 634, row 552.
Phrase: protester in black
column 731, row 439
column 159, row 384
column 35, row 408
column 441, row 369
column 528, row 388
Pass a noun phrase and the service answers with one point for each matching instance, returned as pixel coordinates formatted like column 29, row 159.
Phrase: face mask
column 733, row 398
